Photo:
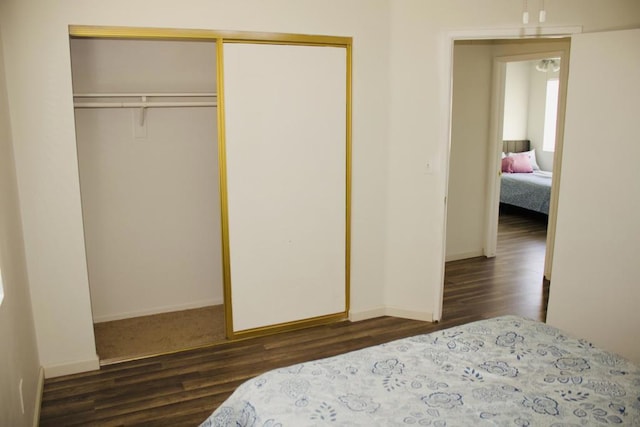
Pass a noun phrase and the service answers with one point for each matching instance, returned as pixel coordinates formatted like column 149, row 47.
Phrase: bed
column 506, row 371
column 530, row 190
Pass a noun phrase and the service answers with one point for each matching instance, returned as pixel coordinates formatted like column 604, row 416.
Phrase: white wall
column 19, row 355
column 467, row 192
column 595, row 292
column 151, row 210
column 516, row 100
column 150, row 200
column 537, row 107
column 401, row 123
column 106, row 65
column 420, row 77
column 39, row 82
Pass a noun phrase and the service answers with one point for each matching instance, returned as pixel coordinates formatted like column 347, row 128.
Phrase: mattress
column 527, row 190
column 506, row 371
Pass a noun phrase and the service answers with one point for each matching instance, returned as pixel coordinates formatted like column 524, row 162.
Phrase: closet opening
column 147, row 143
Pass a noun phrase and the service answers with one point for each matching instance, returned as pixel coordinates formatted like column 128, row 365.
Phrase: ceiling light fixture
column 546, row 65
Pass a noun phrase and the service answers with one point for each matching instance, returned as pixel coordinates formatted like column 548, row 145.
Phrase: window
column 550, row 115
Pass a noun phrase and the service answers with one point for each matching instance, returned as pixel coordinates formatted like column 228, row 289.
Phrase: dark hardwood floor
column 182, row 389
column 508, row 283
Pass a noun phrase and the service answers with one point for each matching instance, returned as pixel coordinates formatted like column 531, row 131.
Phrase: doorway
column 479, row 75
column 529, row 116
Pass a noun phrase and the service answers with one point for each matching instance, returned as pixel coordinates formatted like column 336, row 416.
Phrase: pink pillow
column 517, row 163
column 507, row 165
column 521, row 163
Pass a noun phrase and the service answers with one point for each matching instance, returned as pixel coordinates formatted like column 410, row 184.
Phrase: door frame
column 495, row 148
column 446, row 70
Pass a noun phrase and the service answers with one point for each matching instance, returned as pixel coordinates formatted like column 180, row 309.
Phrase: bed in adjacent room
column 502, row 371
column 522, row 183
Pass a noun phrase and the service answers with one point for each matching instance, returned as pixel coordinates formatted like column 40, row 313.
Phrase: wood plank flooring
column 508, row 283
column 182, row 389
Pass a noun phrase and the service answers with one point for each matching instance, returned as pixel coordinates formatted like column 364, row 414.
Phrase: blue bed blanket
column 506, row 371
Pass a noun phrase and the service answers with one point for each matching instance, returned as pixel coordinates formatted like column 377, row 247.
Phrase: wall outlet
column 21, row 396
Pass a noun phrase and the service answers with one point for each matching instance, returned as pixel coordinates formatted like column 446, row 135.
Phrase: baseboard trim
column 156, row 310
column 410, row 314
column 465, row 255
column 77, row 367
column 356, row 316
column 38, row 402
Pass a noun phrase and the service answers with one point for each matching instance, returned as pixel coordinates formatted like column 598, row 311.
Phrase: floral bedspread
column 506, row 371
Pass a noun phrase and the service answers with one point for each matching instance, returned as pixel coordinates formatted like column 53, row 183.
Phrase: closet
column 215, row 169
column 146, row 131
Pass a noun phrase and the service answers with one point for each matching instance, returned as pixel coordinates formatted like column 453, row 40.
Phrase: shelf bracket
column 143, row 111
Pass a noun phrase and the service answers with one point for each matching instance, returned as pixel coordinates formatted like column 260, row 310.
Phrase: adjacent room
column 529, row 122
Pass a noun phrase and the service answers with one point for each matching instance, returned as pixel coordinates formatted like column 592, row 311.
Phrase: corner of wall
column 19, row 363
column 356, row 316
column 38, row 400
column 69, row 368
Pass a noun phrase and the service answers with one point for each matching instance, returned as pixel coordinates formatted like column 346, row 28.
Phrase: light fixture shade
column 546, row 65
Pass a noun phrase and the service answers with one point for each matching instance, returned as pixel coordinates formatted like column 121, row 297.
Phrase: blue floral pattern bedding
column 506, row 371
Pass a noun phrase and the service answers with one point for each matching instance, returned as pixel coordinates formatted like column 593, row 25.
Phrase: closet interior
column 146, row 131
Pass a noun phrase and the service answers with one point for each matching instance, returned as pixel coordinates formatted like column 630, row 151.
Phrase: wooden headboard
column 516, row 146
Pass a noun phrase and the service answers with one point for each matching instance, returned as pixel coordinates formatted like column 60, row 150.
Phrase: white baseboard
column 356, row 316
column 52, row 371
column 409, row 314
column 464, row 255
column 155, row 310
column 38, row 402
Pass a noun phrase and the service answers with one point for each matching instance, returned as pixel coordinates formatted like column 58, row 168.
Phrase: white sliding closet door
column 285, row 119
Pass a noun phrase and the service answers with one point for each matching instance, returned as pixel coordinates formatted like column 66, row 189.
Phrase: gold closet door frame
column 222, row 37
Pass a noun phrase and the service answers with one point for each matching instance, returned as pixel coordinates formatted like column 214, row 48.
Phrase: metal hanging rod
column 144, row 103
column 153, row 95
